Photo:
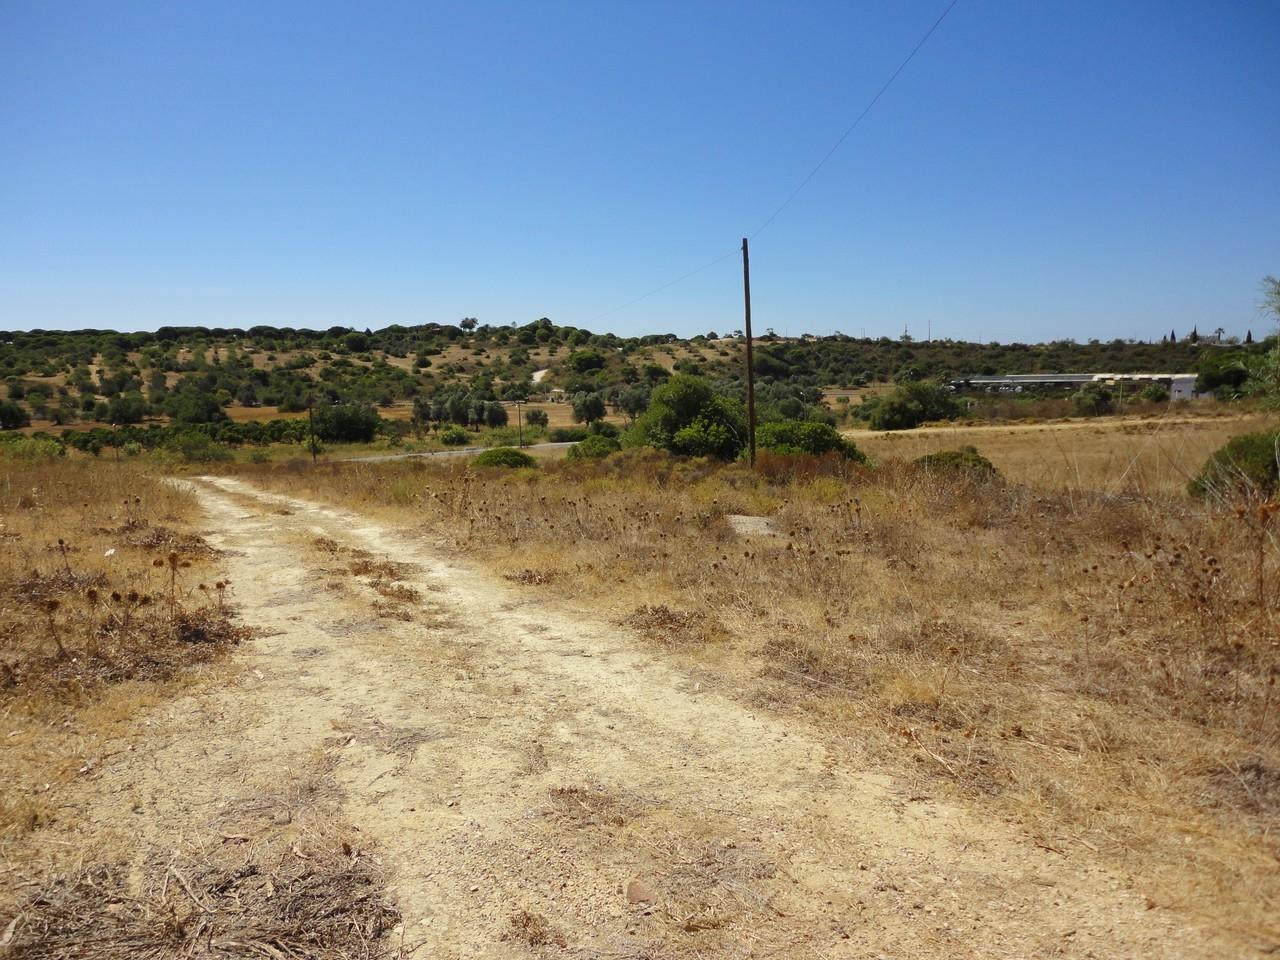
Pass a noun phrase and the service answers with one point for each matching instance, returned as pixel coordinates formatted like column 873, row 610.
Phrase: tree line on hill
column 191, row 374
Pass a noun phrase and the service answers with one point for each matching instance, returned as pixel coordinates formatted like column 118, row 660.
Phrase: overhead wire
column 803, row 183
column 853, row 126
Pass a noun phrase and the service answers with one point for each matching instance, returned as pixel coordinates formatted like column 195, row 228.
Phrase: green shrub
column 966, row 461
column 536, row 418
column 13, row 415
column 1247, row 464
column 912, row 404
column 30, row 449
column 569, row 434
column 131, row 448
column 583, row 361
column 347, row 423
column 1093, row 400
column 196, row 447
column 454, row 436
column 504, row 457
column 805, row 436
column 686, row 416
column 594, row 447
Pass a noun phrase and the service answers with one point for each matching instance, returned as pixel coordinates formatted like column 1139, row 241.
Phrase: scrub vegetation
column 1100, row 669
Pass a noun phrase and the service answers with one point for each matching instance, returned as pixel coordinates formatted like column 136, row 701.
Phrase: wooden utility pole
column 751, row 367
column 311, row 428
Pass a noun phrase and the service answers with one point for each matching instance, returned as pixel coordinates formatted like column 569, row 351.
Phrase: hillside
column 194, row 374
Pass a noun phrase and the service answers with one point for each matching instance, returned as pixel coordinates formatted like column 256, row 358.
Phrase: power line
column 803, row 183
column 668, row 284
column 853, row 126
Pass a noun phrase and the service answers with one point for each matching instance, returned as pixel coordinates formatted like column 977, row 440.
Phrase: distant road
column 460, row 452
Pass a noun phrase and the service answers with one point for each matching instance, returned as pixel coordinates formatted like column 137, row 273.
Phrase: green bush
column 686, row 416
column 30, row 449
column 805, row 436
column 966, row 461
column 583, row 361
column 1247, row 464
column 594, row 447
column 1093, row 400
column 127, row 408
column 346, row 423
column 13, row 415
column 912, row 404
column 536, row 418
column 454, row 436
column 504, row 457
column 196, row 447
column 569, row 434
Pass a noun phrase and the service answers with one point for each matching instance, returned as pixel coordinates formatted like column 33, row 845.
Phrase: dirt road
column 545, row 785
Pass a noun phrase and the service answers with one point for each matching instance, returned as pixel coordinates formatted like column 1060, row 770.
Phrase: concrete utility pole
column 751, row 367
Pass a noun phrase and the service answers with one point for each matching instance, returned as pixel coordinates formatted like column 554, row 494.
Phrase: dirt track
column 501, row 756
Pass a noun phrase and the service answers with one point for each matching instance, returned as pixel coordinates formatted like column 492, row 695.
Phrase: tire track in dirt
column 542, row 783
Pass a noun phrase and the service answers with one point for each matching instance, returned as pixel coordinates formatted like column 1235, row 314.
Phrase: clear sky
column 1079, row 168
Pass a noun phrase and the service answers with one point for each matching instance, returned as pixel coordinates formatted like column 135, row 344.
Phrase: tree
column 536, row 418
column 584, row 361
column 911, row 404
column 1093, row 400
column 495, row 414
column 587, row 407
column 1264, row 372
column 719, row 430
column 468, row 323
column 632, row 401
column 13, row 415
column 127, row 408
column 685, row 416
column 190, row 405
column 346, row 423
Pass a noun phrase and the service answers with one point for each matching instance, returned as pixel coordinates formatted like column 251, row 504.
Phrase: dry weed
column 1095, row 661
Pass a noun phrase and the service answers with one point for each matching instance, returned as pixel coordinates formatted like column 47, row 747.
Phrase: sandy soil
column 509, row 761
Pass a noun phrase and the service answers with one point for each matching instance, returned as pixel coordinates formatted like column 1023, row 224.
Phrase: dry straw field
column 110, row 612
column 1088, row 657
column 1096, row 667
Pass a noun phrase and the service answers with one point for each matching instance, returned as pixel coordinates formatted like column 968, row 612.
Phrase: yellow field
column 1116, row 455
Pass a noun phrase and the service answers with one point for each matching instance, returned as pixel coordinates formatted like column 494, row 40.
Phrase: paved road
column 460, row 452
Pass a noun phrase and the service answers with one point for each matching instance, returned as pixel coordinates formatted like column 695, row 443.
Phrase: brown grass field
column 1080, row 651
column 1098, row 669
column 1144, row 456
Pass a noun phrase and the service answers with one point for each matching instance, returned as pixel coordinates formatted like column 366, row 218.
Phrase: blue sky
column 1093, row 168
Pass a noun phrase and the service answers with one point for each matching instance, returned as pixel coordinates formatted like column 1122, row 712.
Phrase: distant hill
column 198, row 374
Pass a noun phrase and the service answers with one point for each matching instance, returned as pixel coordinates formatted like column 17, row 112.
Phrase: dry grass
column 269, row 889
column 109, row 608
column 102, row 610
column 1153, row 456
column 1101, row 668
